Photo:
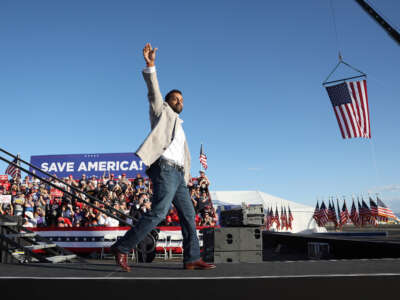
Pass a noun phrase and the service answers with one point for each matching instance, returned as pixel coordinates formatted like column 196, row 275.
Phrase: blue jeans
column 168, row 187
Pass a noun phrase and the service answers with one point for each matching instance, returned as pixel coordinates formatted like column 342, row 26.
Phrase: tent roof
column 255, row 197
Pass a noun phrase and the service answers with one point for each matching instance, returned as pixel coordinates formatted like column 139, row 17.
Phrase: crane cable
column 341, row 61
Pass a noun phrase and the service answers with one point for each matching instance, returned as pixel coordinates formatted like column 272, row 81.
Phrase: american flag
column 354, row 217
column 203, row 158
column 373, row 210
column 332, row 214
column 365, row 213
column 270, row 218
column 373, row 207
column 384, row 211
column 276, row 219
column 323, row 214
column 344, row 214
column 350, row 104
column 290, row 218
column 12, row 170
column 284, row 218
column 316, row 215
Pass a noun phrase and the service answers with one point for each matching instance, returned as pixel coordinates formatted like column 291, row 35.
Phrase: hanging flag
column 203, row 158
column 384, row 211
column 344, row 214
column 290, row 219
column 350, row 104
column 13, row 170
column 354, row 216
column 316, row 215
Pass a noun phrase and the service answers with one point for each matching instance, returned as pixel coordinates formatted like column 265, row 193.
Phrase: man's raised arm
column 149, row 74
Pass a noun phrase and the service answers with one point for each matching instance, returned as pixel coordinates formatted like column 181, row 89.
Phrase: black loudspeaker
column 225, row 245
column 243, row 216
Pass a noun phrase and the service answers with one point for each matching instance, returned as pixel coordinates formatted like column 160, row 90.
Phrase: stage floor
column 328, row 279
column 165, row 270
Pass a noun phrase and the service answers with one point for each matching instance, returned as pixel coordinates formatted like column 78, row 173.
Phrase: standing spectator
column 40, row 217
column 83, row 181
column 18, row 203
column 203, row 182
column 203, row 201
column 111, row 182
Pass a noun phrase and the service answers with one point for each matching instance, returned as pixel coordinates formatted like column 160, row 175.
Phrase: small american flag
column 354, row 217
column 276, row 219
column 332, row 214
column 203, row 158
column 350, row 104
column 12, row 170
column 344, row 214
column 290, row 218
column 316, row 215
column 323, row 214
column 365, row 213
column 384, row 211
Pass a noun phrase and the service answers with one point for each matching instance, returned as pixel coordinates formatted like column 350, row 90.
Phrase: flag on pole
column 354, row 217
column 323, row 214
column 13, row 170
column 283, row 219
column 270, row 218
column 276, row 219
column 316, row 215
column 350, row 104
column 384, row 211
column 365, row 213
column 203, row 158
column 332, row 213
column 344, row 214
column 290, row 219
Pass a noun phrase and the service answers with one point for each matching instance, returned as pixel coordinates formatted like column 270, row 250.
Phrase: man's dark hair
column 167, row 96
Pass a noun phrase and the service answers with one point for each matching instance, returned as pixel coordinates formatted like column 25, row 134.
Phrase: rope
column 335, row 28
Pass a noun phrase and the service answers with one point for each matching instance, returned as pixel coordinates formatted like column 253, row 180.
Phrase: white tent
column 302, row 214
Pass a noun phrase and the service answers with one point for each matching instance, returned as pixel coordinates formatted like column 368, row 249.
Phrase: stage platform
column 363, row 279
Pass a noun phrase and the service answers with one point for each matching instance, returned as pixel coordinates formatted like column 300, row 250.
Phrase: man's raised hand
column 149, row 55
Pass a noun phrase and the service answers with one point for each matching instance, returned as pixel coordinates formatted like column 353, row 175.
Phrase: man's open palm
column 149, row 54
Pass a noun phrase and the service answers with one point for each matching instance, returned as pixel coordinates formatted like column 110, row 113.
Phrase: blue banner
column 98, row 164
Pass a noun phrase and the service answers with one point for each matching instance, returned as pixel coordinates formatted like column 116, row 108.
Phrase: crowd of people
column 41, row 205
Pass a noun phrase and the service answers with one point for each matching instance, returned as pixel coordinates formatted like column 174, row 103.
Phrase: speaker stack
column 235, row 244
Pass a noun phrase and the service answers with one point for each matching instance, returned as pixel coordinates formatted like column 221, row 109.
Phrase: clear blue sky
column 250, row 72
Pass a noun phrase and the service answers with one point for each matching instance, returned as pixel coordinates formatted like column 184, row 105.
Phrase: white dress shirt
column 176, row 150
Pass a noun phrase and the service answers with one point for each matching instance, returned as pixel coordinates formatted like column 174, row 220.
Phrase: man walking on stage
column 166, row 151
